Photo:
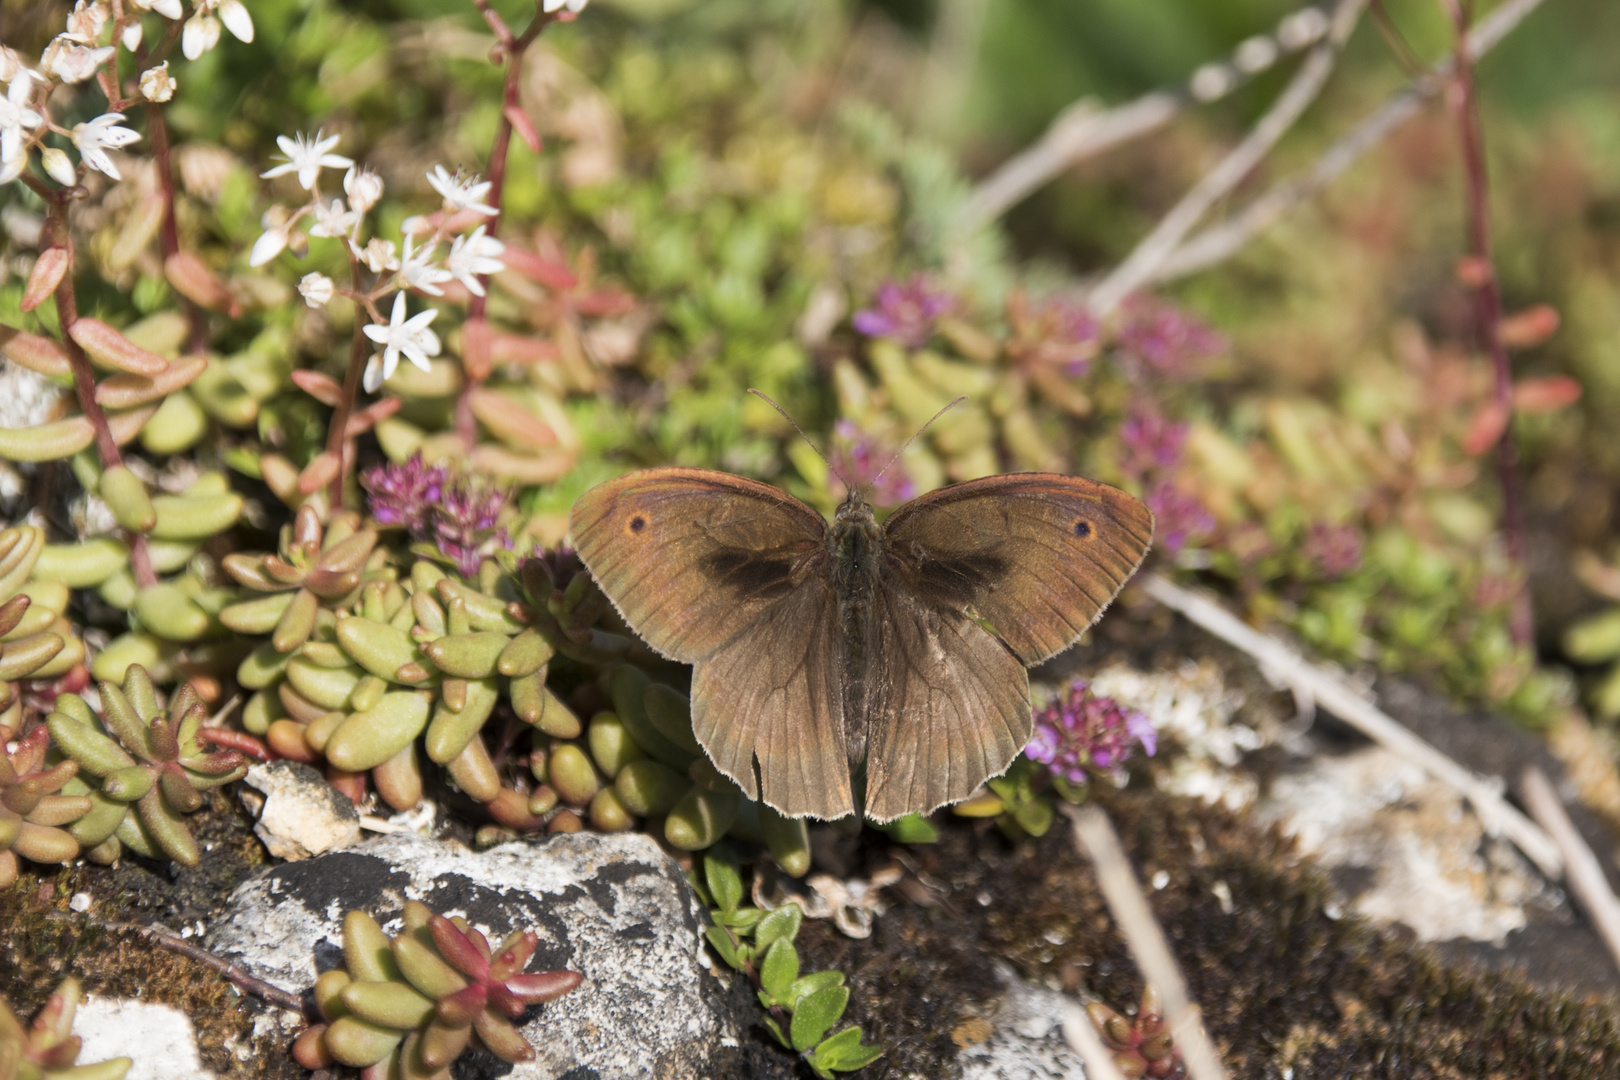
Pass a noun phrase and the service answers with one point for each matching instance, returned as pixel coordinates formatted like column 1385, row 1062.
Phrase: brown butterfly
column 897, row 650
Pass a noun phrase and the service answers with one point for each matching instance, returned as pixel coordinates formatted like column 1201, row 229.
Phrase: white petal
column 267, row 247
column 236, row 19
column 169, row 9
column 373, row 377
column 132, row 36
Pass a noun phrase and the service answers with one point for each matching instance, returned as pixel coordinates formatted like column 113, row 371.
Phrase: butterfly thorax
column 855, row 550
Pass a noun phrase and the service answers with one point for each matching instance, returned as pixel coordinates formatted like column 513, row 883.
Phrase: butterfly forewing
column 953, row 709
column 692, row 557
column 1034, row 556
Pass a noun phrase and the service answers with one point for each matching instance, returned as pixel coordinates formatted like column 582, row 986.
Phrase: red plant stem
column 510, row 50
column 57, row 234
column 157, row 133
column 1488, row 315
column 337, row 440
column 240, row 741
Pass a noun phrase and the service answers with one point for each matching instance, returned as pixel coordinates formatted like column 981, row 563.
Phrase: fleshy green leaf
column 783, row 923
column 720, row 870
column 779, row 970
column 809, row 984
column 815, row 1013
column 776, row 1029
column 742, row 920
column 843, row 1052
column 724, row 946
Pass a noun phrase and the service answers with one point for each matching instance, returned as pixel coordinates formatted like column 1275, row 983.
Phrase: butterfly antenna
column 808, row 441
column 949, row 406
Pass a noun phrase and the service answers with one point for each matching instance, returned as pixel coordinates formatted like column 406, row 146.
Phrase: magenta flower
column 1335, row 550
column 404, row 494
column 1178, row 517
column 1079, row 734
column 905, row 313
column 1165, row 338
column 858, row 458
column 466, row 524
column 1149, row 441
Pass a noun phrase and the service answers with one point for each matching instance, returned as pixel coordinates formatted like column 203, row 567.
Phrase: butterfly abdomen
column 855, row 549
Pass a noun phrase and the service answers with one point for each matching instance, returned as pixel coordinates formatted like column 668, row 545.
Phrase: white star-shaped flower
column 363, row 187
column 401, row 335
column 72, row 62
column 334, row 221
column 95, row 137
column 574, row 6
column 202, row 30
column 378, row 255
column 307, row 157
column 85, row 21
column 461, row 191
column 473, row 255
column 157, row 84
column 15, row 116
column 416, row 268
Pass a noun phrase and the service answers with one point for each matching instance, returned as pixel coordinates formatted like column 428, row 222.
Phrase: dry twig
column 1582, row 873
column 1081, row 1035
column 1332, row 694
column 1097, row 839
column 250, row 984
column 1138, row 268
column 1220, row 242
column 1082, row 130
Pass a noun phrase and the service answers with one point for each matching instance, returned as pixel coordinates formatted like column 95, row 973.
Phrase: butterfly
column 893, row 656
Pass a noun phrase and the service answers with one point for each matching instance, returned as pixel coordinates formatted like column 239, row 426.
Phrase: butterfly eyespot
column 1082, row 529
column 636, row 524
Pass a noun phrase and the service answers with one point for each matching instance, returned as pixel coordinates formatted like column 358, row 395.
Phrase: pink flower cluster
column 461, row 517
column 905, row 313
column 1079, row 734
column 858, row 458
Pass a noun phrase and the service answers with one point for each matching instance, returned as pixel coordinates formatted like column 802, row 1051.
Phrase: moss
column 43, row 940
column 1286, row 989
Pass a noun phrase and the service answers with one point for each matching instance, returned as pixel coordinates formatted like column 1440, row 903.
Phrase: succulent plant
column 47, row 1049
column 409, row 1005
column 36, row 642
column 31, row 812
column 148, row 766
column 1143, row 1046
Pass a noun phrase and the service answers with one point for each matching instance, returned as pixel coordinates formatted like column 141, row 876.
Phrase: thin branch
column 1331, row 693
column 1138, row 268
column 1082, row 130
column 1582, row 874
column 1488, row 318
column 1220, row 242
column 1095, row 836
column 1081, row 1035
column 249, row 984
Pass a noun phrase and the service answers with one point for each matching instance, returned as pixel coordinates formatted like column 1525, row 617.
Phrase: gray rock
column 158, row 1038
column 301, row 815
column 1025, row 1038
column 614, row 907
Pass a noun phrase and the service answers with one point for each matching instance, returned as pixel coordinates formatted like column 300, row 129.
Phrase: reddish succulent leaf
column 543, row 985
column 1528, row 328
column 49, row 269
column 1485, row 429
column 458, row 950
column 521, row 124
column 475, row 351
column 501, row 1038
column 367, row 418
column 1474, row 271
column 321, row 470
column 323, row 388
column 461, row 1006
column 1545, row 393
column 552, row 273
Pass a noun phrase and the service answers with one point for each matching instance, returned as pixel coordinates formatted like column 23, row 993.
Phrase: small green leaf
column 843, row 1052
column 779, row 970
column 776, row 1030
column 815, row 1013
column 784, row 922
column 694, row 880
column 743, row 920
column 912, row 829
column 1034, row 817
column 724, row 946
column 809, row 984
column 720, row 870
